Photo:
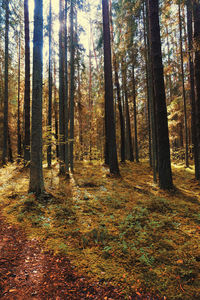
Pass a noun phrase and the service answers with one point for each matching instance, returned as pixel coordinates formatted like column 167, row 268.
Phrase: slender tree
column 183, row 86
column 50, row 89
column 135, row 115
column 56, row 111
column 72, row 85
column 164, row 164
column 66, row 97
column 196, row 16
column 5, row 122
column 19, row 150
column 27, row 85
column 36, row 172
column 129, row 144
column 192, row 87
column 109, row 108
column 62, row 87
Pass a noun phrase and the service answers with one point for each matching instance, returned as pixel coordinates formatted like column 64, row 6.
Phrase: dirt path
column 27, row 273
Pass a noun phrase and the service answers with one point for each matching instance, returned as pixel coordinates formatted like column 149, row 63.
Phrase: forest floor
column 99, row 237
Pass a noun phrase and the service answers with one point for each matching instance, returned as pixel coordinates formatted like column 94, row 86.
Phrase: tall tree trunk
column 169, row 63
column 19, row 146
column 117, row 86
column 62, row 88
column 164, row 164
column 121, row 116
column 135, row 115
column 27, row 85
column 196, row 14
column 56, row 112
column 90, row 96
column 5, row 121
column 145, row 28
column 183, row 88
column 151, row 101
column 10, row 156
column 66, row 98
column 36, row 172
column 129, row 144
column 50, row 92
column 192, row 88
column 80, row 117
column 109, row 108
column 72, row 86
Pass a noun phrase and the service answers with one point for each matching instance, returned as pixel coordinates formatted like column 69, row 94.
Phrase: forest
column 100, row 149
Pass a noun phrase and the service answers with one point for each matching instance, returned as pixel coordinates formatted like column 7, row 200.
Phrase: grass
column 120, row 230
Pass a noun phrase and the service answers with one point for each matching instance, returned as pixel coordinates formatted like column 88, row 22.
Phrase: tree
column 50, row 89
column 72, row 85
column 192, row 87
column 62, row 87
column 109, row 108
column 27, row 85
column 164, row 164
column 183, row 86
column 36, row 173
column 196, row 15
column 18, row 103
column 66, row 97
column 5, row 122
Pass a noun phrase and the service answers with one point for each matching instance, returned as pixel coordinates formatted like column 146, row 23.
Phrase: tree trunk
column 19, row 144
column 164, row 164
column 121, row 117
column 5, row 121
column 135, row 115
column 66, row 98
column 117, row 86
column 72, row 86
column 50, row 92
column 192, row 88
column 147, row 83
column 36, row 173
column 27, row 85
column 62, row 87
column 196, row 13
column 10, row 156
column 56, row 113
column 129, row 144
column 109, row 108
column 183, row 87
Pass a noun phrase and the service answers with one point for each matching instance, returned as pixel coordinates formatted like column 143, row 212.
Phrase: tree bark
column 27, row 85
column 62, row 87
column 164, row 164
column 19, row 145
column 109, row 108
column 135, row 115
column 129, row 144
column 66, row 98
column 50, row 92
column 183, row 88
column 5, row 121
column 36, row 173
column 192, row 87
column 196, row 14
column 72, row 86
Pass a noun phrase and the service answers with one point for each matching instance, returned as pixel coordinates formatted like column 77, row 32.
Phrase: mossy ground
column 120, row 230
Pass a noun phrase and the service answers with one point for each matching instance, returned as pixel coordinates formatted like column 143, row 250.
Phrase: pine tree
column 36, row 173
column 164, row 164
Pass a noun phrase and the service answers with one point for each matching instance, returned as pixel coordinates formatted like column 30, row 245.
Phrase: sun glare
column 83, row 19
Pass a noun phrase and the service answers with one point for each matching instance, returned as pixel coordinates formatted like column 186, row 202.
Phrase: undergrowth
column 120, row 230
